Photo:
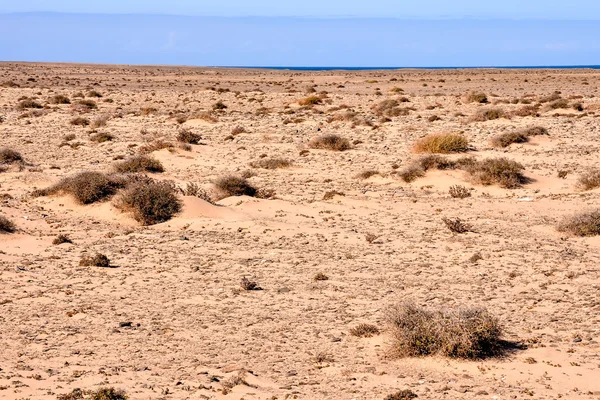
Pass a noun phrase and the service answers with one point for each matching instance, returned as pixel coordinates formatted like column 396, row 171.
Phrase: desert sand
column 169, row 319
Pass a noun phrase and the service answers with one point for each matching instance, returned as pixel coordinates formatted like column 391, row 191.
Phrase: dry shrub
column 80, row 121
column 331, row 194
column 94, row 93
column 442, row 143
column 527, row 111
column 97, row 260
column 101, row 137
column 231, row 185
column 456, row 225
column 390, row 108
column 89, row 104
column 474, row 97
column 310, row 101
column 589, row 180
column 367, row 174
column 193, row 189
column 320, row 276
column 501, row 171
column 86, row 187
column 411, row 173
column 219, row 106
column 6, row 225
column 156, row 145
column 60, row 99
column 488, row 114
column 187, row 136
column 521, row 136
column 29, row 103
column 139, row 163
column 470, row 333
column 150, row 202
column 105, row 393
column 61, row 238
column 10, row 156
column 364, row 330
column 330, row 142
column 238, row 130
column 459, row 192
column 145, row 111
column 508, row 138
column 206, row 116
column 100, row 121
column 405, row 394
column 558, row 104
column 585, row 223
column 271, row 163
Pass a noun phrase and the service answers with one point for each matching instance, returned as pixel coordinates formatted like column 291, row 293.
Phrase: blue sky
column 554, row 9
column 416, row 33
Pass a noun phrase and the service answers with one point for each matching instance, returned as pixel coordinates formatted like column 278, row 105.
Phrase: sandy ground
column 193, row 330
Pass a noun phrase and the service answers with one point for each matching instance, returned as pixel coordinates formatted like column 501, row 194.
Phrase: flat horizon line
column 341, row 17
column 309, row 68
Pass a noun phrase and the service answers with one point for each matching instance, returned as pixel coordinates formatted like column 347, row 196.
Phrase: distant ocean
column 400, row 68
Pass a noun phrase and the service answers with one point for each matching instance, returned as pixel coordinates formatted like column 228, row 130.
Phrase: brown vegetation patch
column 442, row 143
column 585, row 223
column 330, row 142
column 470, row 333
column 150, row 202
column 140, row 163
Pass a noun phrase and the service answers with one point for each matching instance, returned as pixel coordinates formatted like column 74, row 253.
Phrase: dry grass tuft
column 310, row 101
column 29, row 103
column 80, row 121
column 488, row 114
column 501, row 171
column 459, row 192
column 60, row 99
column 456, row 225
column 156, row 145
column 330, row 142
column 61, row 238
column 101, row 137
column 139, row 163
column 521, row 136
column 367, row 174
column 189, row 137
column 474, row 97
column 470, row 333
column 364, row 330
column 411, row 173
column 589, row 180
column 405, row 394
column 586, row 223
column 320, row 276
column 271, row 163
column 331, row 194
column 508, row 138
column 391, row 108
column 86, row 187
column 150, row 202
column 231, row 185
column 97, row 260
column 442, row 143
column 106, row 393
column 6, row 225
column 10, row 156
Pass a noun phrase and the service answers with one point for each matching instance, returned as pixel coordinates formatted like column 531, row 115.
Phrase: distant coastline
column 400, row 68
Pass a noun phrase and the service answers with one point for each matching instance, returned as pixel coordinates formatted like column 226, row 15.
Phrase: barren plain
column 332, row 238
